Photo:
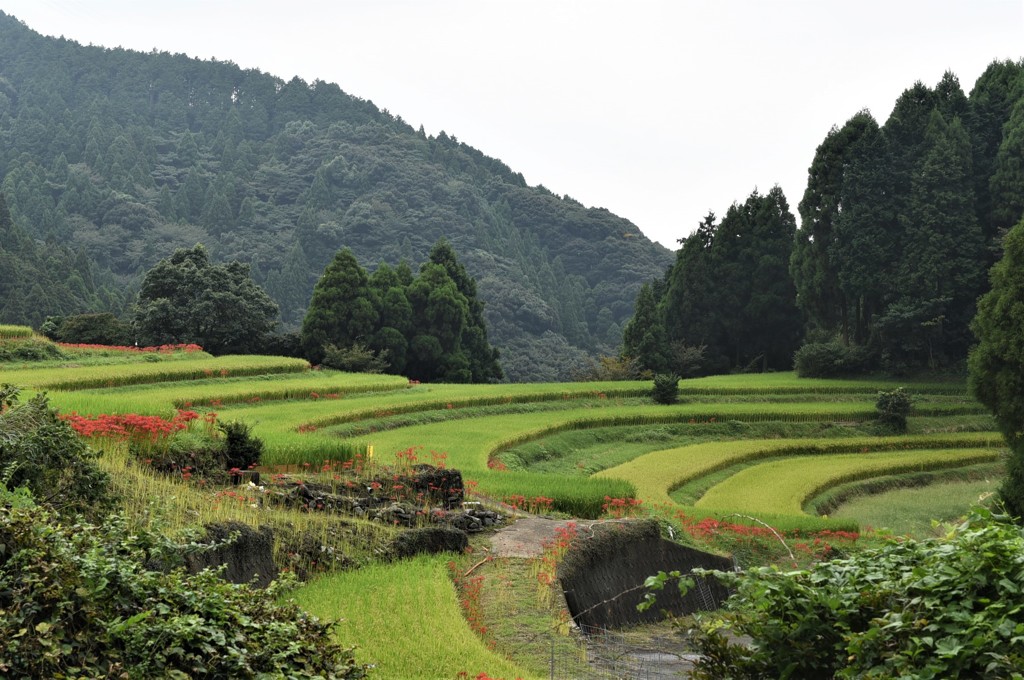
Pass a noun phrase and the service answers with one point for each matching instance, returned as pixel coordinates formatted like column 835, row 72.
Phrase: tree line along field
column 741, row 449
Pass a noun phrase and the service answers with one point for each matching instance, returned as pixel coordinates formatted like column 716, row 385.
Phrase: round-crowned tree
column 188, row 299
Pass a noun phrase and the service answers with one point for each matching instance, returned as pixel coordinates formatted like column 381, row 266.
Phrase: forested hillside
column 899, row 225
column 112, row 159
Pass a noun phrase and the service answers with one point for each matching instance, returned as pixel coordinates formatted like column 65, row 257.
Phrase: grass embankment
column 80, row 377
column 299, row 389
column 916, row 511
column 790, row 383
column 173, row 507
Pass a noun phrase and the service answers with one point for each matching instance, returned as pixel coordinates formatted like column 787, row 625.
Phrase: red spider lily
column 621, row 507
column 127, row 426
column 164, row 349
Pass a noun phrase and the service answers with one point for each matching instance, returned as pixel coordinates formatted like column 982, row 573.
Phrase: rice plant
column 11, row 332
column 72, row 377
column 406, row 620
column 783, row 486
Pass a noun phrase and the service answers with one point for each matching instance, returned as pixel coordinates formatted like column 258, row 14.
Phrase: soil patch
column 527, row 536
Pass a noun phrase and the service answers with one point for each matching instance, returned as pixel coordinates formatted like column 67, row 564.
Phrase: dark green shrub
column 194, row 452
column 95, row 329
column 666, row 388
column 831, row 359
column 76, row 600
column 42, row 453
column 893, row 408
column 356, row 359
column 29, row 349
column 282, row 345
column 429, row 540
column 241, row 449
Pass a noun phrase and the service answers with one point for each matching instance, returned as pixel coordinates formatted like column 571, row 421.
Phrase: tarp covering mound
column 604, row 569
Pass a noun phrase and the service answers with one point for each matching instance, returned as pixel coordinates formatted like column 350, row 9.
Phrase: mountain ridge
column 123, row 156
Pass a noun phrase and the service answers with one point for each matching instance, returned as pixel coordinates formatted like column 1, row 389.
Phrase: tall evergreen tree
column 341, row 311
column 866, row 233
column 730, row 291
column 1006, row 185
column 690, row 304
column 991, row 101
column 644, row 339
column 482, row 358
column 814, row 271
column 997, row 362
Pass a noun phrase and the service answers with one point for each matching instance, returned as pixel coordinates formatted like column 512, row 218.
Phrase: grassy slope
column 405, row 619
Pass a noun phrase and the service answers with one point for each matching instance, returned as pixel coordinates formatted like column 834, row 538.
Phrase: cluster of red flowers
column 470, row 591
column 163, row 349
column 621, row 507
column 535, row 504
column 818, row 544
column 230, row 496
column 554, row 550
column 439, row 459
column 709, row 527
column 129, row 425
column 406, row 459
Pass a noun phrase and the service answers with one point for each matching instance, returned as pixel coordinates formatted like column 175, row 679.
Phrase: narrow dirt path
column 527, row 536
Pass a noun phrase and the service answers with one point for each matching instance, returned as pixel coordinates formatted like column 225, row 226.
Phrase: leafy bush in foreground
column 940, row 608
column 42, row 453
column 78, row 600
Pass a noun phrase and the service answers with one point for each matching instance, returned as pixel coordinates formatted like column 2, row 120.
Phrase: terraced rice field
column 760, row 446
column 309, row 416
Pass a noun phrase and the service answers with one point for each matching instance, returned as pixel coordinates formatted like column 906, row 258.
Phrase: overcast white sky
column 658, row 110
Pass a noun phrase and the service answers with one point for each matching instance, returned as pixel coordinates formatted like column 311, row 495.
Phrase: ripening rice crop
column 406, row 619
column 119, row 375
column 783, row 486
column 656, row 474
column 10, row 332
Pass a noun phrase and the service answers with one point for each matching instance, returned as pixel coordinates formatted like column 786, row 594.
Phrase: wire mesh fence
column 605, row 654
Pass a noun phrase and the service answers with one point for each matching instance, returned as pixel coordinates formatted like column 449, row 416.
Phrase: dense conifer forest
column 112, row 160
column 899, row 225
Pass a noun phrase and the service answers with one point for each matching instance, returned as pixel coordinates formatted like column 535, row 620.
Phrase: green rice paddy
column 760, row 447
